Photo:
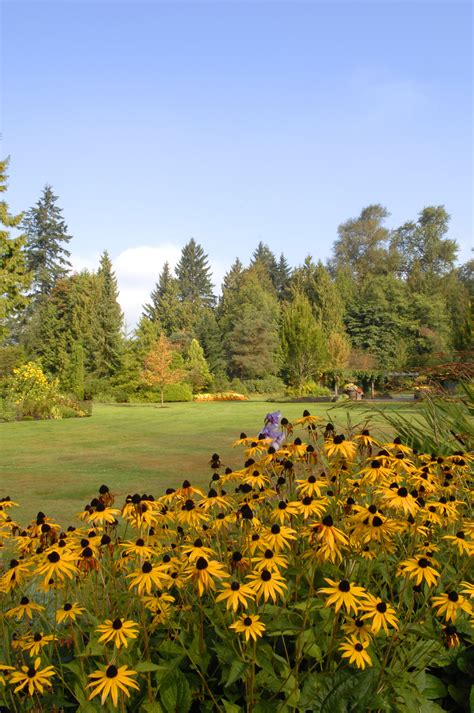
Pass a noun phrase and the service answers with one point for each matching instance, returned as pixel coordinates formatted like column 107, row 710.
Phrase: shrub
column 309, row 388
column 33, row 394
column 178, row 392
column 267, row 385
column 222, row 396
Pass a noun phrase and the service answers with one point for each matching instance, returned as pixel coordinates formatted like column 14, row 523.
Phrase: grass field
column 57, row 466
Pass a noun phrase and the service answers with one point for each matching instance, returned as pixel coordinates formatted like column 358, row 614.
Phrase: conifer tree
column 283, row 276
column 109, row 320
column 194, row 276
column 198, row 372
column 303, row 343
column 46, row 237
column 263, row 256
column 210, row 337
column 251, row 336
column 14, row 275
column 166, row 308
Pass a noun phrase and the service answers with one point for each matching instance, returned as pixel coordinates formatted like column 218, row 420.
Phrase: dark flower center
column 112, row 671
column 31, row 673
column 423, row 562
column 377, row 521
column 146, row 567
column 268, row 554
column 236, row 557
column 67, row 606
column 117, row 624
column 358, row 647
column 402, row 492
column 247, row 621
column 375, row 464
column 460, row 535
column 282, row 505
column 202, row 563
column 453, row 596
column 328, row 521
column 235, row 586
column 307, row 500
column 265, row 576
column 24, row 601
column 344, row 586
column 53, row 557
column 275, row 530
column 381, row 607
column 37, row 637
column 359, row 623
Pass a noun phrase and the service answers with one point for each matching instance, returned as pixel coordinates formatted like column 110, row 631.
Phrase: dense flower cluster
column 317, row 554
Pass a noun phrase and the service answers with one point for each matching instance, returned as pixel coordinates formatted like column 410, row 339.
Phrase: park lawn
column 58, row 466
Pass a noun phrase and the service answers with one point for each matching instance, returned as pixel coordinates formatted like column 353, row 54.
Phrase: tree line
column 388, row 300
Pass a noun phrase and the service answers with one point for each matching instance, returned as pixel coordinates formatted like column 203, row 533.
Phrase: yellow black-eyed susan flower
column 24, row 609
column 235, row 594
column 382, row 615
column 249, row 625
column 343, row 593
column 204, row 572
column 355, row 650
column 419, row 569
column 118, row 631
column 69, row 612
column 32, row 678
column 267, row 584
column 111, row 682
column 450, row 604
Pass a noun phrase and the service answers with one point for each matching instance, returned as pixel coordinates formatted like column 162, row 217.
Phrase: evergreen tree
column 264, row 257
column 109, row 320
column 251, row 336
column 194, row 276
column 74, row 373
column 165, row 307
column 210, row 337
column 283, row 277
column 303, row 343
column 198, row 373
column 14, row 275
column 46, row 237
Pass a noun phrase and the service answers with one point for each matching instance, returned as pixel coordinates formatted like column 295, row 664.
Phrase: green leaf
column 340, row 692
column 175, row 693
column 230, row 707
column 434, row 688
column 146, row 667
column 153, row 707
column 237, row 670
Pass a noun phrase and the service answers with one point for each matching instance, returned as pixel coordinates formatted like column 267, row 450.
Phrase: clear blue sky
column 235, row 122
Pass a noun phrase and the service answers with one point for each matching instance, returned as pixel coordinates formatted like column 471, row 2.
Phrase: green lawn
column 57, row 466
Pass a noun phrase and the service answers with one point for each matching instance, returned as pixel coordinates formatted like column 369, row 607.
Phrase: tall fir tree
column 46, row 238
column 283, row 277
column 264, row 257
column 210, row 337
column 14, row 276
column 166, row 308
column 194, row 276
column 109, row 321
column 251, row 327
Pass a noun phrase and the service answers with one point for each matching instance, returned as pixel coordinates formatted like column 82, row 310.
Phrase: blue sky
column 234, row 122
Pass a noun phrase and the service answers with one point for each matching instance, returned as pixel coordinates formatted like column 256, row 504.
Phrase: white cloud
column 137, row 270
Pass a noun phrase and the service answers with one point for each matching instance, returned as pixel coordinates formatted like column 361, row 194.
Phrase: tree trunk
column 162, row 398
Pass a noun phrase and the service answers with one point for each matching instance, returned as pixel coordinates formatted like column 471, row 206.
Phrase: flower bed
column 326, row 574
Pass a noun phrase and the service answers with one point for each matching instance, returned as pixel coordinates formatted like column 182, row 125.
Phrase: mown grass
column 57, row 466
